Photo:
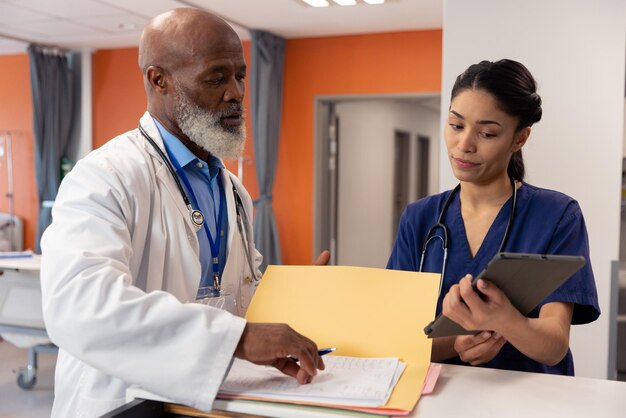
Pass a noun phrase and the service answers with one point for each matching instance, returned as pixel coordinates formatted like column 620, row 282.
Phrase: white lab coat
column 119, row 262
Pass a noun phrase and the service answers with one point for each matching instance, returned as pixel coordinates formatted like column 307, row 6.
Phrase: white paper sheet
column 346, row 381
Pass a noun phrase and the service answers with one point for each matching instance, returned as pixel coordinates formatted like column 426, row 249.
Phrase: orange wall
column 119, row 99
column 16, row 115
column 365, row 64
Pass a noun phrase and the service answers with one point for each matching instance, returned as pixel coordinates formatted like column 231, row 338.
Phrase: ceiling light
column 127, row 26
column 317, row 3
column 326, row 3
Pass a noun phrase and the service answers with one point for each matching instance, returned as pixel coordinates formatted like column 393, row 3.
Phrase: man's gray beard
column 203, row 128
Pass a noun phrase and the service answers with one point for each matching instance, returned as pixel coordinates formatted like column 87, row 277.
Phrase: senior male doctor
column 144, row 222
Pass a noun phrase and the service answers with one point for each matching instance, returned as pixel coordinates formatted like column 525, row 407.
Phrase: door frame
column 320, row 146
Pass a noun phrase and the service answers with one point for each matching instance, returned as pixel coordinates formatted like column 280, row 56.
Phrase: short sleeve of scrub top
column 545, row 222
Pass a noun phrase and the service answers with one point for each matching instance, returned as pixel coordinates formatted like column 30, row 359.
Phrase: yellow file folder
column 364, row 312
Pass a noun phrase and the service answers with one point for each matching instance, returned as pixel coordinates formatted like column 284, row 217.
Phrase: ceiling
column 101, row 24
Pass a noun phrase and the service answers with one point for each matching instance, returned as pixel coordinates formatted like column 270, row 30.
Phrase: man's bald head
column 181, row 35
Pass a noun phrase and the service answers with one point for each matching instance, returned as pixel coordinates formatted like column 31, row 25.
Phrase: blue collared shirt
column 203, row 178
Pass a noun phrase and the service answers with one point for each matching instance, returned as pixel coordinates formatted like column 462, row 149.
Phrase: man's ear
column 521, row 137
column 157, row 79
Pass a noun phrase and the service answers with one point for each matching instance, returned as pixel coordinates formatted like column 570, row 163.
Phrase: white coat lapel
column 230, row 204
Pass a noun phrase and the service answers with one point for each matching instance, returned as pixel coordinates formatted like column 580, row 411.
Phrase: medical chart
column 347, row 381
column 363, row 312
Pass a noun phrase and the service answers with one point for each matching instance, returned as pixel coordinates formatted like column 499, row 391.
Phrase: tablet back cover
column 526, row 279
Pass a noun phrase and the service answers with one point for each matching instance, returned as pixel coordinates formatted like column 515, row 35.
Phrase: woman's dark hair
column 515, row 90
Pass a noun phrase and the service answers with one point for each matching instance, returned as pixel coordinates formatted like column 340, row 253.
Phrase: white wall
column 575, row 49
column 624, row 143
column 82, row 142
column 366, row 174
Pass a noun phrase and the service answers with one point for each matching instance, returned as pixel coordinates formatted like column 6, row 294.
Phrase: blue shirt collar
column 176, row 150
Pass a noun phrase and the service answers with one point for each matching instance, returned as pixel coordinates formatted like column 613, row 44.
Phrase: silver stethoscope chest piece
column 197, row 217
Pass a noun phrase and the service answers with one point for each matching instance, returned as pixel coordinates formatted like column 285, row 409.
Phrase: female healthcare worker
column 493, row 106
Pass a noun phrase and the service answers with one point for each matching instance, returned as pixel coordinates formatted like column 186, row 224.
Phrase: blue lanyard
column 214, row 244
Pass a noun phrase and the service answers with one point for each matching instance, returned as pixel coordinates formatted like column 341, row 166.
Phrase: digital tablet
column 526, row 279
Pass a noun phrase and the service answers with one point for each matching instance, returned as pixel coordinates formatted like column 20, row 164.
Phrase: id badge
column 217, row 298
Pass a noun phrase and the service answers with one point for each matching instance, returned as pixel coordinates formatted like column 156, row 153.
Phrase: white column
column 86, row 128
column 575, row 49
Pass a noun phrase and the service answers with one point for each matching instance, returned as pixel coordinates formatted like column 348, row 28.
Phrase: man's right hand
column 271, row 344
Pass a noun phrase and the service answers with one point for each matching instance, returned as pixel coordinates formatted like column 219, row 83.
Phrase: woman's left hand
column 480, row 348
column 490, row 311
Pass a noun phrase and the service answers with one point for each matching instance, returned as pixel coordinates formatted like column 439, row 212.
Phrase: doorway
column 373, row 156
column 401, row 176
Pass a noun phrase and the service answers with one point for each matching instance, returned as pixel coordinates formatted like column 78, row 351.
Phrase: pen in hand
column 320, row 352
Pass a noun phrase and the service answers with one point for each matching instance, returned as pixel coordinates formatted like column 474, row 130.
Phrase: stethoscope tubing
column 197, row 218
column 240, row 210
column 430, row 235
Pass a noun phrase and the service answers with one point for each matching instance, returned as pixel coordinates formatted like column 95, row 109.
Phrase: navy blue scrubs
column 545, row 222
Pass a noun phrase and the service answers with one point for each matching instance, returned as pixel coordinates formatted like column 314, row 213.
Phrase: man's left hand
column 323, row 258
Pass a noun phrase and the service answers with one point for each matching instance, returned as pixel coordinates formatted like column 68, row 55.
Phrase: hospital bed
column 21, row 317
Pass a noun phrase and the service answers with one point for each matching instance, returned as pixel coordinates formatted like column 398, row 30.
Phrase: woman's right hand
column 480, row 348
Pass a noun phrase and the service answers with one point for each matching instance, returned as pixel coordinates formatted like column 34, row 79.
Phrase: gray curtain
column 54, row 76
column 266, row 84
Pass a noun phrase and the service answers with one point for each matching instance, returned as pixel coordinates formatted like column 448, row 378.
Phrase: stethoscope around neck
column 430, row 235
column 197, row 218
